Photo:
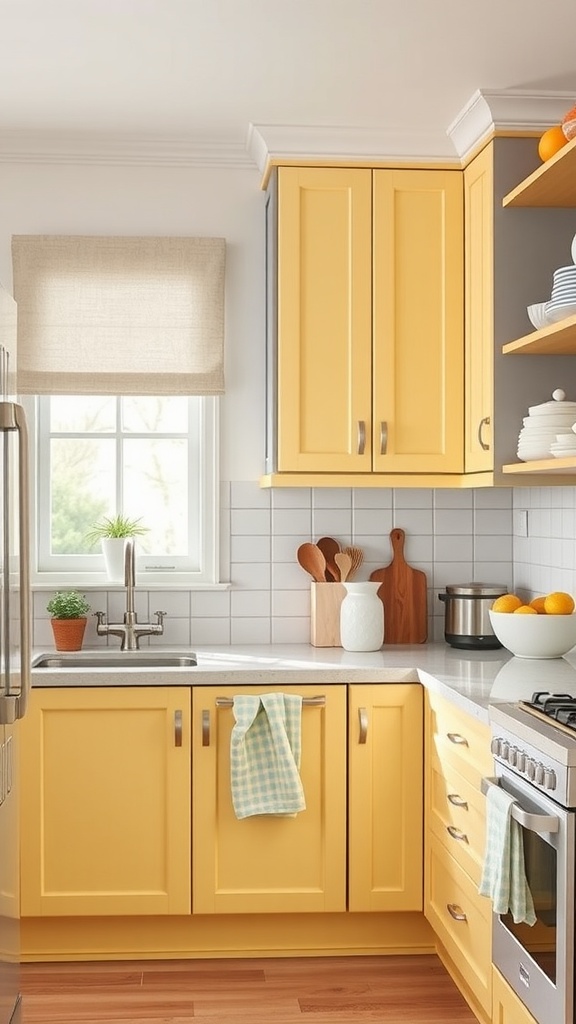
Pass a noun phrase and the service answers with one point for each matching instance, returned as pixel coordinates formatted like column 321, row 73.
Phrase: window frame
column 89, row 571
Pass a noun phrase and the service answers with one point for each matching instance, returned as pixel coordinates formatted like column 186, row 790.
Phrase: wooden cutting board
column 403, row 592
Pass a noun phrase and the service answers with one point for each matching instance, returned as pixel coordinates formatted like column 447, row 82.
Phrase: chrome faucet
column 130, row 630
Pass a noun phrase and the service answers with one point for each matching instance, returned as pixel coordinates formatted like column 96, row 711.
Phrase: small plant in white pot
column 112, row 532
column 68, row 609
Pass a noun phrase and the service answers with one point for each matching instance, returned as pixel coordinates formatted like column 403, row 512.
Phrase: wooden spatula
column 329, row 547
column 344, row 563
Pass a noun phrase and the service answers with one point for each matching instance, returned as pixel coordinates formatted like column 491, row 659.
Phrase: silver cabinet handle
column 457, row 834
column 456, row 912
column 483, row 423
column 457, row 801
column 363, row 725
column 205, row 728
column 456, row 738
column 177, row 728
column 361, row 437
column 383, row 437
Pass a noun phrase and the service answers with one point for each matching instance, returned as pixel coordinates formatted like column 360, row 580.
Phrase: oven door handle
column 533, row 822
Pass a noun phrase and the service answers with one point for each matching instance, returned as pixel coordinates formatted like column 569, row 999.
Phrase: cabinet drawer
column 456, row 815
column 449, row 894
column 458, row 740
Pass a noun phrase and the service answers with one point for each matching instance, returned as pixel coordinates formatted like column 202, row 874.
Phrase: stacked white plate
column 543, row 425
column 563, row 299
column 564, row 445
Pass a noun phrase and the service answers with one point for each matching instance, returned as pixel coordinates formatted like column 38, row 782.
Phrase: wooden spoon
column 312, row 560
column 330, row 547
column 357, row 556
column 344, row 563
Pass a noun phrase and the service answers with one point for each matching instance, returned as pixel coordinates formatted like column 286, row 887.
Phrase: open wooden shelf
column 567, row 465
column 555, row 340
column 552, row 184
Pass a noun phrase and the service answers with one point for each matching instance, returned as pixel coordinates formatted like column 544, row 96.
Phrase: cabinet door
column 507, row 1008
column 105, row 798
column 479, row 313
column 418, row 321
column 269, row 864
column 385, row 736
column 324, row 319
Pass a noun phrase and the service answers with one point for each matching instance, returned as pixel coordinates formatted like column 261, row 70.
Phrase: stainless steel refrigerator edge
column 14, row 652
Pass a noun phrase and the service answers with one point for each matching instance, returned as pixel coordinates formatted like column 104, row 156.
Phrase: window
column 149, row 457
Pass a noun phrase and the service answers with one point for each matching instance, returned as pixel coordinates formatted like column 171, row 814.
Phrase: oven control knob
column 512, row 752
column 496, row 746
column 504, row 750
column 549, row 779
column 539, row 778
column 521, row 761
column 530, row 768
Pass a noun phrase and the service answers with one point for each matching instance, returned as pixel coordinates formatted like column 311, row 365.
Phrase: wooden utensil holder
column 325, row 601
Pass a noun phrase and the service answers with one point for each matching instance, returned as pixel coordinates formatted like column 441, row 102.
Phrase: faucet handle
column 101, row 616
column 160, row 617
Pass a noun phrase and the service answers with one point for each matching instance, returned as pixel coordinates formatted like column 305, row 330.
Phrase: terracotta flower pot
column 68, row 633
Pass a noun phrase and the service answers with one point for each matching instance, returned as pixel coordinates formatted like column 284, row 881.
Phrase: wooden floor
column 324, row 990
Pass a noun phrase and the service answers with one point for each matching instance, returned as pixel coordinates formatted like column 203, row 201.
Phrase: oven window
column 540, row 939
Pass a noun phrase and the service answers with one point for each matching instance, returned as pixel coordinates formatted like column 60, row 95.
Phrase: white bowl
column 537, row 315
column 535, row 636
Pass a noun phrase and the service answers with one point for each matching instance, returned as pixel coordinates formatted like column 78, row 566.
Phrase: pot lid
column 558, row 404
column 476, row 589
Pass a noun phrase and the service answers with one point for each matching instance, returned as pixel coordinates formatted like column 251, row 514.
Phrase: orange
column 558, row 603
column 538, row 604
column 506, row 603
column 551, row 141
column 525, row 609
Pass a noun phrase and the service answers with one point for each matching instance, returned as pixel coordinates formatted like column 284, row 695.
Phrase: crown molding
column 513, row 111
column 273, row 143
column 117, row 149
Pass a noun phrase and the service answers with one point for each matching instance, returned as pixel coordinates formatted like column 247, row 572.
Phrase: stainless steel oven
column 535, row 761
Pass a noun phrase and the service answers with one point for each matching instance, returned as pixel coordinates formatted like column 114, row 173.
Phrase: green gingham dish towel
column 265, row 755
column 503, row 874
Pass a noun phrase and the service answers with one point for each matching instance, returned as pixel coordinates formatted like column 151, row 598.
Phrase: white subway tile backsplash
column 454, row 536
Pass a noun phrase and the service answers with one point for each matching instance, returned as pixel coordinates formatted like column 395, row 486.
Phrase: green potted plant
column 68, row 609
column 112, row 532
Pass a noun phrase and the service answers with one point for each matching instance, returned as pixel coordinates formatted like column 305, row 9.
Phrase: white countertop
column 470, row 679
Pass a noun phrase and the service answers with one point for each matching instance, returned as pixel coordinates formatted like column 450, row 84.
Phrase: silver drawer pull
column 457, row 834
column 456, row 912
column 457, row 801
column 456, row 738
column 483, row 423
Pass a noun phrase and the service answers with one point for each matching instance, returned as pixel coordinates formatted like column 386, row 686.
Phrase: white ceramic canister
column 362, row 618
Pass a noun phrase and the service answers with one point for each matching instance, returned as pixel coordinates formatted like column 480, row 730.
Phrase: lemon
column 558, row 603
column 525, row 609
column 538, row 604
column 506, row 603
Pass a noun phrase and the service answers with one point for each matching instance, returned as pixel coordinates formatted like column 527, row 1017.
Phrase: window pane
column 88, row 414
column 82, row 490
column 155, row 415
column 156, row 488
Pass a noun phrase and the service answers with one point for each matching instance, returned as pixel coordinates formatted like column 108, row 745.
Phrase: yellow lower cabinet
column 266, row 863
column 385, row 750
column 507, row 1008
column 9, row 867
column 462, row 921
column 105, row 801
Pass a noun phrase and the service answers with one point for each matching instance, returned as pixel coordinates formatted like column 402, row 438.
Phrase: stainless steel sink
column 116, row 659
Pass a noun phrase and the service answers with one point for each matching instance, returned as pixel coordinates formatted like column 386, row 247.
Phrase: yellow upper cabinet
column 366, row 300
column 479, row 315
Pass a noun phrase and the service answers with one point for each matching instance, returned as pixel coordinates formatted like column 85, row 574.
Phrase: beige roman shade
column 119, row 315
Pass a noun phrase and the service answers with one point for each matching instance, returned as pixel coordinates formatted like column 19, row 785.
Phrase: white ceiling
column 204, row 70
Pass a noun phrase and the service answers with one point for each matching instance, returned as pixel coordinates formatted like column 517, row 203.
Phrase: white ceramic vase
column 113, row 551
column 362, row 618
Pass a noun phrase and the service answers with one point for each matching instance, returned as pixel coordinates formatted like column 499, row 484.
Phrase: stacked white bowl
column 563, row 300
column 543, row 425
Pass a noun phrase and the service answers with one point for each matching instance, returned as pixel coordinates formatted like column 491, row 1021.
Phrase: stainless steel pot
column 466, row 620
